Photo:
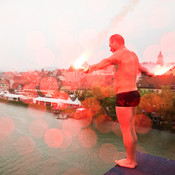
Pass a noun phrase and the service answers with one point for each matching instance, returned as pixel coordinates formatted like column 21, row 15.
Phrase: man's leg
column 126, row 118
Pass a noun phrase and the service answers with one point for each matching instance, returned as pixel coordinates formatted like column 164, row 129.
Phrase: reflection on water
column 33, row 143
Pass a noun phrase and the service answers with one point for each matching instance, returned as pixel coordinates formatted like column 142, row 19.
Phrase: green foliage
column 144, row 91
column 162, row 105
column 13, row 102
column 96, row 92
column 83, row 94
column 108, row 104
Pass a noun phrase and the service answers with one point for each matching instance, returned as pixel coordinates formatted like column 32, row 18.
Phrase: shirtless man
column 127, row 67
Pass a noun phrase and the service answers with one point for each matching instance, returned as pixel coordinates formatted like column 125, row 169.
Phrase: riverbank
column 86, row 149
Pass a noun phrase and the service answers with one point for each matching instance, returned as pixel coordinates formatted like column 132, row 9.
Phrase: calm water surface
column 36, row 143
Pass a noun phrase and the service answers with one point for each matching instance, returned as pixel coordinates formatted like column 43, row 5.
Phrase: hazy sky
column 54, row 33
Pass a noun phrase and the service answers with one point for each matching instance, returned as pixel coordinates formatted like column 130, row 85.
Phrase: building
column 160, row 60
column 4, row 85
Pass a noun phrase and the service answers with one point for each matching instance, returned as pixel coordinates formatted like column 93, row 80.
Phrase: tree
column 83, row 94
column 96, row 92
column 108, row 104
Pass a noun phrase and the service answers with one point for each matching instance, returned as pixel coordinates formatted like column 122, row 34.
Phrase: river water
column 34, row 142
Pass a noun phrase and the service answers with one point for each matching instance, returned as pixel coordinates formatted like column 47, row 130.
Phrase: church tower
column 160, row 59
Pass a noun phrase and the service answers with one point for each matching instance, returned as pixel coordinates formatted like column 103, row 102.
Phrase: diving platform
column 147, row 165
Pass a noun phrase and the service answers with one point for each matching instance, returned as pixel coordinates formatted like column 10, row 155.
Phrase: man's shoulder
column 121, row 52
column 118, row 52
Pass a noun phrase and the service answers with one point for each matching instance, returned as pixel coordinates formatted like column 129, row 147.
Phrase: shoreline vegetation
column 36, row 106
column 158, row 107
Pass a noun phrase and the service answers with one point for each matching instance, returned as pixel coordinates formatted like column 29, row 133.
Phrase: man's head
column 115, row 42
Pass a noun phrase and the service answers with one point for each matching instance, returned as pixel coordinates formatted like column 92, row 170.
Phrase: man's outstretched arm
column 145, row 71
column 102, row 64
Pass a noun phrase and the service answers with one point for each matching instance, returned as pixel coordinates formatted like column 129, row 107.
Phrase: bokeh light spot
column 36, row 111
column 143, row 124
column 24, row 145
column 48, row 85
column 108, row 152
column 103, row 124
column 67, row 139
column 159, row 17
column 28, row 92
column 61, row 95
column 53, row 137
column 85, row 117
column 16, row 84
column 44, row 57
column 38, row 128
column 168, row 42
column 151, row 52
column 7, row 126
column 35, row 40
column 87, row 138
column 72, row 126
column 116, row 129
column 92, row 105
column 146, row 103
column 29, row 77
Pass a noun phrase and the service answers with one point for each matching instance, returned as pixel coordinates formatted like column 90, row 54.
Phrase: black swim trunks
column 128, row 99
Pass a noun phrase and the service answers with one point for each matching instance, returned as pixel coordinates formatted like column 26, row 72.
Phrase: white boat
column 62, row 116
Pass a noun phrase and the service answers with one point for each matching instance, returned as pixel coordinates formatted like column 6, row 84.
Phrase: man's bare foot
column 125, row 163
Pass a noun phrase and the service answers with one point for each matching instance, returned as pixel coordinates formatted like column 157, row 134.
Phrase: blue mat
column 147, row 165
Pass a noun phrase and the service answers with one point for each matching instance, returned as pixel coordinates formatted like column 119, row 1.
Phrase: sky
column 37, row 34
